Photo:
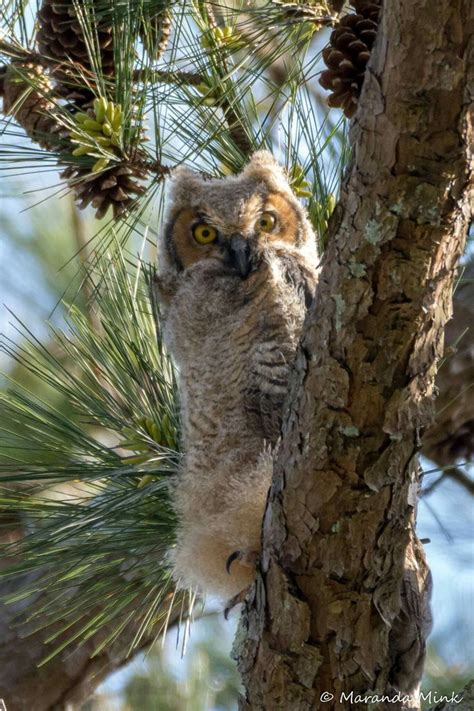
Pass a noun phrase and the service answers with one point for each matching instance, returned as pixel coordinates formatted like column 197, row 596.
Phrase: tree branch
column 70, row 677
column 451, row 436
column 340, row 510
column 466, row 704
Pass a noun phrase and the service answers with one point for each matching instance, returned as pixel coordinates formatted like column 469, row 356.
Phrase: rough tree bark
column 338, row 520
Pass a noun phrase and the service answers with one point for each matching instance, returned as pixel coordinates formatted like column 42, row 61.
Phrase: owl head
column 234, row 220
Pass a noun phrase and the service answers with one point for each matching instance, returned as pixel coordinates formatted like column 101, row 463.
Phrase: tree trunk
column 338, row 520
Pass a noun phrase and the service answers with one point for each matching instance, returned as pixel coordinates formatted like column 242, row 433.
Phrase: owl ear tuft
column 184, row 182
column 265, row 167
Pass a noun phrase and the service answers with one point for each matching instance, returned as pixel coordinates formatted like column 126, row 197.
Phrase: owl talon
column 236, row 600
column 233, row 556
column 248, row 560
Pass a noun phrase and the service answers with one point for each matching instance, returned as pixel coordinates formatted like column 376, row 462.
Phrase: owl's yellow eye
column 204, row 234
column 266, row 222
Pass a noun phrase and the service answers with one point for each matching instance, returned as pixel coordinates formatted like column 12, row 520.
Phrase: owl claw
column 233, row 556
column 236, row 600
column 247, row 559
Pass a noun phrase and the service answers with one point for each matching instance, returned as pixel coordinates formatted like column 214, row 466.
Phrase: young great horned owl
column 236, row 272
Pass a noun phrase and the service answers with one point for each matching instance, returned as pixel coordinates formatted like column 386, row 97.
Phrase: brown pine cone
column 116, row 187
column 347, row 55
column 26, row 90
column 61, row 40
column 367, row 8
column 61, row 37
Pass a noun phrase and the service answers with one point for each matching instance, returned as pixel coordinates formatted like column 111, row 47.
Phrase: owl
column 237, row 270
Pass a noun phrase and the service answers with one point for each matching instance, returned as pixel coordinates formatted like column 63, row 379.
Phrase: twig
column 19, row 52
column 452, row 472
column 236, row 128
column 82, row 244
column 158, row 76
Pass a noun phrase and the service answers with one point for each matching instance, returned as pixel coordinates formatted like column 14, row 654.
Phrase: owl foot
column 236, row 600
column 248, row 559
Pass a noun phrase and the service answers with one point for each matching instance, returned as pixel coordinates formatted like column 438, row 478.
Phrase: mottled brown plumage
column 233, row 311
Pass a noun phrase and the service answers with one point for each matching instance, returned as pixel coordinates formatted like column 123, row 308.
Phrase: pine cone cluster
column 116, row 187
column 61, row 40
column 25, row 89
column 348, row 53
column 110, row 165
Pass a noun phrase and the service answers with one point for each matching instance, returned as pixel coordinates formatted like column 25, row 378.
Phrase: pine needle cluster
column 92, row 487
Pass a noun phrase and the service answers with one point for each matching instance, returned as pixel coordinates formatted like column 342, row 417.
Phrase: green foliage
column 95, row 495
column 443, row 678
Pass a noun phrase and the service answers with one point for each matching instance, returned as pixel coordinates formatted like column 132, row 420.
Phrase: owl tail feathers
column 205, row 543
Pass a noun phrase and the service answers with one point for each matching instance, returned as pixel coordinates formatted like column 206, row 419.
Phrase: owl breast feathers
column 236, row 272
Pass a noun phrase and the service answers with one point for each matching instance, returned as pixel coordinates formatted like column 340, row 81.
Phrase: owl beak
column 239, row 255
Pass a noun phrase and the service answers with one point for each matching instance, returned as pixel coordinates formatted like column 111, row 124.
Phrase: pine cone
column 115, row 187
column 348, row 53
column 25, row 89
column 155, row 33
column 62, row 42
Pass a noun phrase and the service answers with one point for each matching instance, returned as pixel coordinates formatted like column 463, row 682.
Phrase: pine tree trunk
column 338, row 520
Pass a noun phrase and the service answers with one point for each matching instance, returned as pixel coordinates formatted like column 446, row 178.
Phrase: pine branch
column 462, row 701
column 108, row 533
